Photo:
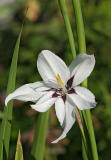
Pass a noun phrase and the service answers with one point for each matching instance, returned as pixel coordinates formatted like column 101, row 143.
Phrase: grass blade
column 19, row 152
column 71, row 41
column 40, row 136
column 5, row 129
column 79, row 26
column 82, row 48
column 68, row 26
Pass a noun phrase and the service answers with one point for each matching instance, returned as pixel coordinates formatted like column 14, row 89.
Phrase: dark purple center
column 69, row 82
column 61, row 93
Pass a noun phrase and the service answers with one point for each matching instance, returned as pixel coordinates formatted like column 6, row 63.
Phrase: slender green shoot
column 80, row 124
column 68, row 26
column 38, row 147
column 80, row 26
column 82, row 48
column 19, row 151
column 5, row 128
column 72, row 45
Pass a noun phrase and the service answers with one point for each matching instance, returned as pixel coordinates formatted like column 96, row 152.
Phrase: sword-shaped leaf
column 19, row 151
column 40, row 136
column 5, row 128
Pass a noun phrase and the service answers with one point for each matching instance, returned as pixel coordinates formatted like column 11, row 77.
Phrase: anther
column 59, row 80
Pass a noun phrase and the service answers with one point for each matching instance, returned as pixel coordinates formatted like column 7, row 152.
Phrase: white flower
column 59, row 86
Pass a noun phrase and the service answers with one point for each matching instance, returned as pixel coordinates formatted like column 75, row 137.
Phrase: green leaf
column 5, row 129
column 82, row 48
column 40, row 136
column 19, row 151
column 64, row 12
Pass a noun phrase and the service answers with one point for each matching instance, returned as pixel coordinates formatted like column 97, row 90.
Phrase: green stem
column 84, row 154
column 72, row 45
column 38, row 146
column 79, row 25
column 82, row 48
column 68, row 26
column 84, row 143
column 87, row 116
column 80, row 124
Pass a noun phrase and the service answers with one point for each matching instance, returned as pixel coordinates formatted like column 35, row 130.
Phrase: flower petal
column 81, row 103
column 85, row 93
column 44, row 102
column 28, row 92
column 50, row 66
column 60, row 110
column 68, row 122
column 81, row 67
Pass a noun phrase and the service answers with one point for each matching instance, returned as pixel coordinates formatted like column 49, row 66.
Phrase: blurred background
column 44, row 29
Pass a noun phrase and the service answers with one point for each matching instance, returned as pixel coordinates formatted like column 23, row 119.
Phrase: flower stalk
column 68, row 26
column 82, row 48
column 71, row 41
column 84, row 142
column 78, row 119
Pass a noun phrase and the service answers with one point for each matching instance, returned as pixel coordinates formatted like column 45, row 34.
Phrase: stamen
column 59, row 80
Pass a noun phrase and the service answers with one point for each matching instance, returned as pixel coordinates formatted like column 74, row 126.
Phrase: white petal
column 81, row 67
column 85, row 93
column 81, row 103
column 68, row 122
column 52, row 84
column 49, row 66
column 28, row 92
column 44, row 102
column 60, row 110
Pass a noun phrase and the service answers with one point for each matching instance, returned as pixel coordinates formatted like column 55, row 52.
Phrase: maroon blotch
column 71, row 91
column 69, row 82
column 50, row 89
column 54, row 95
column 64, row 98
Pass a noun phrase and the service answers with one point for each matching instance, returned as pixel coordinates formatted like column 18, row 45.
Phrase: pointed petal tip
column 95, row 104
column 8, row 98
column 32, row 106
column 54, row 142
column 36, row 108
column 92, row 57
column 58, row 139
column 44, row 52
column 6, row 102
column 88, row 55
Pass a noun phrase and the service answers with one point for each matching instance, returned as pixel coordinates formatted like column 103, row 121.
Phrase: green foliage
column 48, row 32
column 19, row 152
column 5, row 128
column 38, row 148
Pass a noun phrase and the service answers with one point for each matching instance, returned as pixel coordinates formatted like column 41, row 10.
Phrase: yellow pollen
column 59, row 80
